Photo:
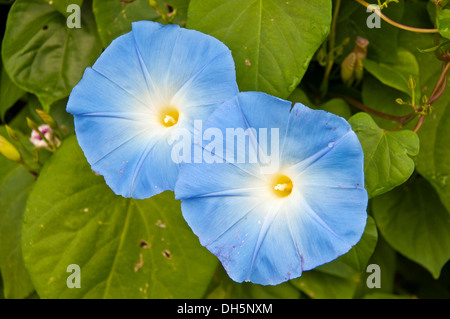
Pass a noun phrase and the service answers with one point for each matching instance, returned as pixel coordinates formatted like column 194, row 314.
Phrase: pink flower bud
column 48, row 133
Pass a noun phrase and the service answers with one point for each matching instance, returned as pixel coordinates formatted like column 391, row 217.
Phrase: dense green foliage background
column 304, row 51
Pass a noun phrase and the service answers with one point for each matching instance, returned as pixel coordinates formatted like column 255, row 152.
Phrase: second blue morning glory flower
column 278, row 191
column 147, row 83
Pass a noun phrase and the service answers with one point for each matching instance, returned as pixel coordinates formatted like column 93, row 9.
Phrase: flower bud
column 348, row 69
column 352, row 67
column 47, row 118
column 11, row 133
column 50, row 142
column 411, row 83
column 8, row 150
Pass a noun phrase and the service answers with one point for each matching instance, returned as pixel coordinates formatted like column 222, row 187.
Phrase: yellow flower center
column 169, row 116
column 282, row 185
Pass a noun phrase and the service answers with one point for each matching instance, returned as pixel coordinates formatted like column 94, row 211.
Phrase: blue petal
column 333, row 194
column 311, row 132
column 330, row 226
column 130, row 160
column 250, row 238
column 206, row 180
column 120, row 63
column 257, row 236
column 117, row 103
column 250, row 111
column 338, row 165
column 226, row 226
column 97, row 94
column 186, row 66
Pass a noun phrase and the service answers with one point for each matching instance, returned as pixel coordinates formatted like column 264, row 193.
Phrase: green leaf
column 225, row 288
column 443, row 23
column 42, row 55
column 9, row 93
column 320, row 285
column 125, row 248
column 299, row 95
column 335, row 106
column 386, row 258
column 15, row 186
column 114, row 17
column 386, row 160
column 415, row 223
column 382, row 98
column 338, row 107
column 272, row 41
column 420, row 281
column 396, row 75
column 61, row 5
column 432, row 161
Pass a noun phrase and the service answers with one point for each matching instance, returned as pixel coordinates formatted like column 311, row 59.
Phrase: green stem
column 438, row 90
column 396, row 24
column 331, row 49
column 419, row 123
column 440, row 84
column 400, row 119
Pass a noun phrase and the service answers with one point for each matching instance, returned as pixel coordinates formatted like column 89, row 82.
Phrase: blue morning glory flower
column 144, row 85
column 278, row 192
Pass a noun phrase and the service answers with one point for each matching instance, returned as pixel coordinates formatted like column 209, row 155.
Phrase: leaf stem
column 396, row 24
column 400, row 119
column 331, row 40
column 438, row 90
column 440, row 84
column 419, row 123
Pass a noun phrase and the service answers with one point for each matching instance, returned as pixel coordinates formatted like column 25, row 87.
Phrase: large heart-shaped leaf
column 272, row 41
column 414, row 222
column 125, row 248
column 396, row 75
column 433, row 159
column 42, row 55
column 386, row 258
column 63, row 5
column 15, row 186
column 386, row 154
column 114, row 17
column 320, row 285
